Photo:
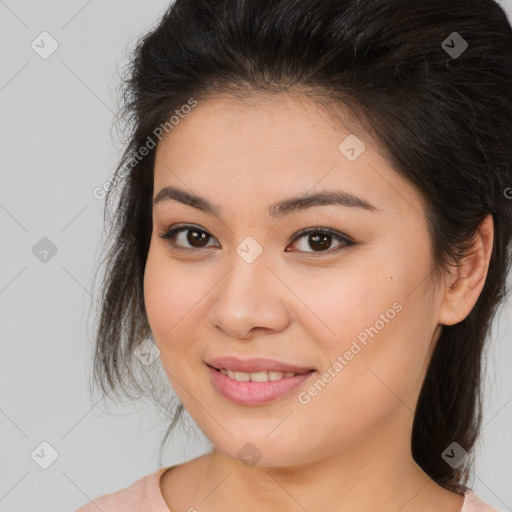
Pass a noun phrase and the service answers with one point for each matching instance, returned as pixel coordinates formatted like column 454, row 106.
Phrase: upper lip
column 258, row 364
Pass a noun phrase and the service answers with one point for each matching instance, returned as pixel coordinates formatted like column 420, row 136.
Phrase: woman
column 313, row 225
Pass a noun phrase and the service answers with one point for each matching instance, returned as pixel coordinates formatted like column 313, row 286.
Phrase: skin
column 348, row 449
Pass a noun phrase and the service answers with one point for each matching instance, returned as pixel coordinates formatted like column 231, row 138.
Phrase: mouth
column 260, row 376
column 256, row 381
column 256, row 365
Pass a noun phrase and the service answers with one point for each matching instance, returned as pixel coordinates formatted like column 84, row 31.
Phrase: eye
column 321, row 239
column 196, row 237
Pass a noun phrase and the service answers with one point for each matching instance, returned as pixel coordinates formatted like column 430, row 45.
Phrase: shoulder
column 143, row 495
column 472, row 503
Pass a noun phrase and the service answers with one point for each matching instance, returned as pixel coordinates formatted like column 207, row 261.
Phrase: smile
column 256, row 388
column 256, row 376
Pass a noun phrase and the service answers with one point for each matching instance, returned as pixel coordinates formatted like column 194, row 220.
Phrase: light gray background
column 56, row 147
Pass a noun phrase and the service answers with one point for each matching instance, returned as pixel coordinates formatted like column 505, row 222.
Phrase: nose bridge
column 245, row 282
column 246, row 297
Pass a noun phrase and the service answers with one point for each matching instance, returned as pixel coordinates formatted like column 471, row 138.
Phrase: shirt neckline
column 160, row 505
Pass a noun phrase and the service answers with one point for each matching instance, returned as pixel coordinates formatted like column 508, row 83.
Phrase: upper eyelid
column 300, row 232
column 341, row 237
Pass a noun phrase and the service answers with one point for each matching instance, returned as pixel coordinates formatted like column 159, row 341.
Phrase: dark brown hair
column 444, row 121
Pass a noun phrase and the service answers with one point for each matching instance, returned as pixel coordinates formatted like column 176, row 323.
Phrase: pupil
column 319, row 240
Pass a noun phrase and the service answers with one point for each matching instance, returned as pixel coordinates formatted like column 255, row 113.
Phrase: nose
column 248, row 300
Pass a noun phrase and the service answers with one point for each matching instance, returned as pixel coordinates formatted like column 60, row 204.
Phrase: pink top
column 144, row 495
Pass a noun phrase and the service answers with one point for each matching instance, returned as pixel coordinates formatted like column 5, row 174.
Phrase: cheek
column 342, row 303
column 171, row 295
column 376, row 325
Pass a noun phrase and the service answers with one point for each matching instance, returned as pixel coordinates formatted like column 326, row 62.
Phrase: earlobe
column 462, row 291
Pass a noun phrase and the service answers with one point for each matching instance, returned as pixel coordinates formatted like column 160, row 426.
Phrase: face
column 351, row 300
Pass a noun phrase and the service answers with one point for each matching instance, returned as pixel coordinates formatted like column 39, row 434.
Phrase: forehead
column 268, row 147
column 272, row 120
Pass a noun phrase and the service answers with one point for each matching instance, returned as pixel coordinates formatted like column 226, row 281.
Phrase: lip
column 259, row 364
column 255, row 393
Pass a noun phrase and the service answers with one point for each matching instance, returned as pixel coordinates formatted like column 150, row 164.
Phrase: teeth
column 256, row 376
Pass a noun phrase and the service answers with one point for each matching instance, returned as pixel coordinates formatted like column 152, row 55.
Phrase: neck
column 376, row 473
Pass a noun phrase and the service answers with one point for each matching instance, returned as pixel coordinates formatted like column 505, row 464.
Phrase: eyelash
column 169, row 234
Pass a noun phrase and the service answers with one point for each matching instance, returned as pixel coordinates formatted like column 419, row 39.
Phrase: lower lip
column 255, row 393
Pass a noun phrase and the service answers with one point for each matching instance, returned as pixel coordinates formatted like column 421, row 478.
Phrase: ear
column 463, row 290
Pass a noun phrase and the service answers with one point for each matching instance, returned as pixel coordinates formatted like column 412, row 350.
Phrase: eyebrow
column 276, row 210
